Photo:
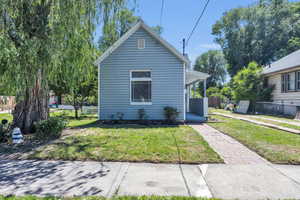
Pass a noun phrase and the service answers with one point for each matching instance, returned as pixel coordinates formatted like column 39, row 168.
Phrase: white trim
column 184, row 93
column 141, row 24
column 139, row 79
column 99, row 92
column 141, row 103
column 205, row 106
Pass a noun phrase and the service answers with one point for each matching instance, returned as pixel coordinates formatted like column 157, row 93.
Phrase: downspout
column 184, row 92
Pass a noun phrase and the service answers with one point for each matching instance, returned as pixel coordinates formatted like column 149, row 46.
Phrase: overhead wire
column 197, row 22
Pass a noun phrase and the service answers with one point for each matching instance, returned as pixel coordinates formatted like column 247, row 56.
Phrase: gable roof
column 137, row 26
column 287, row 62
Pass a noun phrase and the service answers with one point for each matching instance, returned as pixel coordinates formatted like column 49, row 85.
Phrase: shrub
column 142, row 114
column 50, row 129
column 171, row 113
column 120, row 116
column 4, row 130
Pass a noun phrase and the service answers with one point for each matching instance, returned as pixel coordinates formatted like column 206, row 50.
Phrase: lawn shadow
column 19, row 151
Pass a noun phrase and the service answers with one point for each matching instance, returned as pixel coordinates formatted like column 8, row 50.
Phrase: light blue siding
column 167, row 73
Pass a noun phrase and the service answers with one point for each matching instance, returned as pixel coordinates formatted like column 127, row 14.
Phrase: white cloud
column 210, row 46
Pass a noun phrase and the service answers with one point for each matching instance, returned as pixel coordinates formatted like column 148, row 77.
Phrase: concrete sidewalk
column 260, row 123
column 57, row 178
column 230, row 150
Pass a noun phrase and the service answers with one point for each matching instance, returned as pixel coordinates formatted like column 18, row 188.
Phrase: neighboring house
column 143, row 71
column 284, row 74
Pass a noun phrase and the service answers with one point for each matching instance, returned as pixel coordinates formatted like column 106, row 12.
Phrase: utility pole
column 183, row 46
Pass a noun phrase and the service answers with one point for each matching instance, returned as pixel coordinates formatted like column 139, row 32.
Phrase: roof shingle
column 287, row 62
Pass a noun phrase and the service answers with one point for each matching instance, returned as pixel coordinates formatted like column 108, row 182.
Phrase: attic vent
column 141, row 43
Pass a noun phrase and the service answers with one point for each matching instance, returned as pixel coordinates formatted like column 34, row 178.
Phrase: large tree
column 117, row 24
column 36, row 33
column 263, row 32
column 213, row 63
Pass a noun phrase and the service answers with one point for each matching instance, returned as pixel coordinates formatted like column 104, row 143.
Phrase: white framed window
column 298, row 80
column 140, row 87
column 291, row 81
column 141, row 43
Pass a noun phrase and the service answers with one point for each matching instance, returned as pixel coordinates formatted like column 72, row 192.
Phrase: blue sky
column 179, row 17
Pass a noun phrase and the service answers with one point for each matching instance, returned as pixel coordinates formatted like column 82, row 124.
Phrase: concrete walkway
column 260, row 123
column 228, row 148
column 57, row 178
column 295, row 123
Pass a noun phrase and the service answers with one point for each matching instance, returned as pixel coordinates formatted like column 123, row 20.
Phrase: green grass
column 292, row 126
column 249, row 116
column 166, row 144
column 103, row 198
column 84, row 119
column 89, row 140
column 275, row 145
column 7, row 116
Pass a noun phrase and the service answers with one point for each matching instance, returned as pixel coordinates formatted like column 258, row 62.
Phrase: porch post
column 204, row 88
column 194, row 88
column 205, row 101
column 188, row 98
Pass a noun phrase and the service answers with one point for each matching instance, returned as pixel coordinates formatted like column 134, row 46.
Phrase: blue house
column 143, row 71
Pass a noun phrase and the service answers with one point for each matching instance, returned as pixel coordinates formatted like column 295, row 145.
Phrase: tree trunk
column 76, row 112
column 59, row 99
column 32, row 108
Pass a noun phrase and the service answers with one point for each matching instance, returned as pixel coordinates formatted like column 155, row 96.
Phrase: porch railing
column 196, row 106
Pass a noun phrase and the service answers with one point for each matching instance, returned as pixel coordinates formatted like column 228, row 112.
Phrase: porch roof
column 195, row 76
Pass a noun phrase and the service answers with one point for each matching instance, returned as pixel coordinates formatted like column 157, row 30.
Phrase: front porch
column 196, row 107
column 191, row 117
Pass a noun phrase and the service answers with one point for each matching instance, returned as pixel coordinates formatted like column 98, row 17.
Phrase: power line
column 198, row 20
column 161, row 12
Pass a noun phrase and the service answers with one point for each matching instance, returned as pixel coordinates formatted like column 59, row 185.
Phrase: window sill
column 140, row 103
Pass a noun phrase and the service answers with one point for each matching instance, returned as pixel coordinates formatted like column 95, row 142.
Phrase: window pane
column 291, row 81
column 298, row 80
column 283, row 83
column 141, row 43
column 141, row 74
column 141, row 91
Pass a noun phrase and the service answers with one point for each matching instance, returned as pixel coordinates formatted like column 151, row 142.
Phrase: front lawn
column 275, row 145
column 167, row 144
column 83, row 120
